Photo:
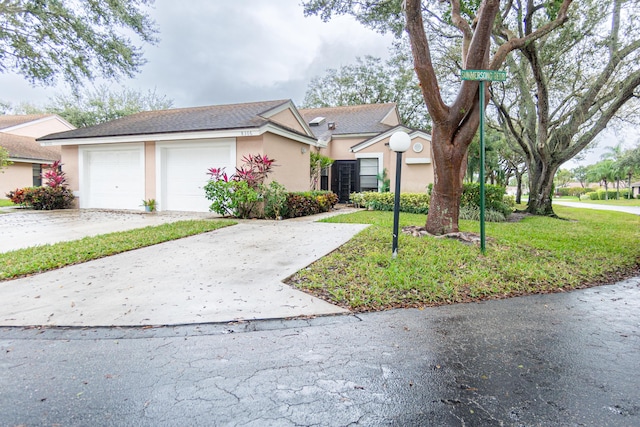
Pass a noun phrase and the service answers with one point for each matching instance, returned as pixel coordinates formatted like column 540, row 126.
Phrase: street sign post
column 482, row 76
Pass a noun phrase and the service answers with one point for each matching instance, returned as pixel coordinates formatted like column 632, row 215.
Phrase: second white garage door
column 182, row 172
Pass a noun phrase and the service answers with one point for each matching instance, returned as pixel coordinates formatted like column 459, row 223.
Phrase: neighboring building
column 165, row 155
column 18, row 135
column 357, row 138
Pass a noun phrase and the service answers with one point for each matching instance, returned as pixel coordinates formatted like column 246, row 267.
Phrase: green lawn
column 37, row 259
column 535, row 255
column 5, row 202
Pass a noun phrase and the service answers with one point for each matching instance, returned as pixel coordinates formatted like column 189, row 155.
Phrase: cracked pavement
column 568, row 359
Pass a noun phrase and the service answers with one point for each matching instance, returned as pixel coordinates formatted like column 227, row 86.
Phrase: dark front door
column 343, row 179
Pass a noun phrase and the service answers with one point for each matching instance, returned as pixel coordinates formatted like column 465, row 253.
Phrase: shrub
column 241, row 194
column 493, row 197
column 495, row 201
column 235, row 198
column 19, row 195
column 53, row 195
column 606, row 195
column 472, row 213
column 309, row 203
column 570, row 191
column 275, row 201
column 510, row 202
column 409, row 202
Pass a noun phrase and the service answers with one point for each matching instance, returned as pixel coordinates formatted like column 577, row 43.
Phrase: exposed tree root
column 464, row 237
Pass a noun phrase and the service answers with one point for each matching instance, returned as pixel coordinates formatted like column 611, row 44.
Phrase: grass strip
column 38, row 259
column 535, row 255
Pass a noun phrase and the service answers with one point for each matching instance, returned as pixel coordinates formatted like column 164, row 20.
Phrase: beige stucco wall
column 415, row 177
column 41, row 128
column 294, row 160
column 18, row 175
column 70, row 165
column 292, row 168
column 71, row 168
column 150, row 170
column 288, row 119
column 340, row 148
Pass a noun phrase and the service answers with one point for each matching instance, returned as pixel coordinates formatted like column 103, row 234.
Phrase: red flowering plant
column 240, row 194
column 54, row 194
column 54, row 176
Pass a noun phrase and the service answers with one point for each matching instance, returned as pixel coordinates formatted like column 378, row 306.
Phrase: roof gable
column 411, row 132
column 33, row 125
column 9, row 121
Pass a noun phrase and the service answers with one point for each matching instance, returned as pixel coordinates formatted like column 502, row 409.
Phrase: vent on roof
column 331, row 125
column 316, row 121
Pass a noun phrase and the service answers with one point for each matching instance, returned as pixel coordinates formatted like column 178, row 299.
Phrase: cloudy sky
column 227, row 51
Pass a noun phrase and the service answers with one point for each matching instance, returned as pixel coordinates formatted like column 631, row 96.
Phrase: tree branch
column 423, row 65
column 517, row 43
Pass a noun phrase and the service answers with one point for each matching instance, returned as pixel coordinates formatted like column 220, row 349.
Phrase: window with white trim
column 368, row 174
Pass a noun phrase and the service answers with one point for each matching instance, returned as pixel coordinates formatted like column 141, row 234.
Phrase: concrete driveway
column 230, row 274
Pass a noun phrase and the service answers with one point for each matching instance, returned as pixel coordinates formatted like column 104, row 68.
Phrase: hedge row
column 607, row 195
column 495, row 201
column 571, row 191
column 308, row 203
column 409, row 202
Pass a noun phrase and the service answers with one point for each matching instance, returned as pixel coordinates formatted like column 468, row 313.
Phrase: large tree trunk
column 448, row 164
column 519, row 187
column 540, row 188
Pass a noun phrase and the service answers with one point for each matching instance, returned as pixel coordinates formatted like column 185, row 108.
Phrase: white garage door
column 183, row 172
column 112, row 177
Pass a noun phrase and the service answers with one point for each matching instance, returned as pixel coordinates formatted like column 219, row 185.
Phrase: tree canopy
column 455, row 114
column 4, row 159
column 97, row 106
column 372, row 80
column 567, row 86
column 75, row 40
column 103, row 105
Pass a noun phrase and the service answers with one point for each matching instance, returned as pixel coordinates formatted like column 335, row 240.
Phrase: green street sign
column 484, row 75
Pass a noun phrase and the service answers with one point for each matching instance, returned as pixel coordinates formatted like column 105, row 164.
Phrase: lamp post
column 399, row 142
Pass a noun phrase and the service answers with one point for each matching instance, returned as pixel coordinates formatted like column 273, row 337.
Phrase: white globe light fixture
column 399, row 142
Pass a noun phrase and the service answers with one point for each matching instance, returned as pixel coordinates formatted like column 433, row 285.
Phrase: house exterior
column 357, row 138
column 165, row 155
column 18, row 135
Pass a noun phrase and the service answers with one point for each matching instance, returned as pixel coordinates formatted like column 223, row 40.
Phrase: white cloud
column 215, row 52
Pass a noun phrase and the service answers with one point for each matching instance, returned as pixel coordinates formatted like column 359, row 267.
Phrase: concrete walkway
column 635, row 210
column 234, row 273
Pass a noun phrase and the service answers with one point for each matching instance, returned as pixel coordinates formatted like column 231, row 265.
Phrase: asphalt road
column 569, row 359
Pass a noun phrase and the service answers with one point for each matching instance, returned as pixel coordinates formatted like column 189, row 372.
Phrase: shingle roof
column 352, row 119
column 24, row 147
column 217, row 117
column 7, row 121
